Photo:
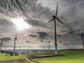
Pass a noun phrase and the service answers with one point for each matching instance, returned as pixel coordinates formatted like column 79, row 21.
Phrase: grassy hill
column 5, row 58
column 70, row 56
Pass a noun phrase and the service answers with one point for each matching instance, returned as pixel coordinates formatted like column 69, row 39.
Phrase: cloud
column 33, row 35
column 6, row 26
column 43, row 35
column 71, row 12
column 5, row 39
column 37, row 23
column 37, row 14
column 1, row 35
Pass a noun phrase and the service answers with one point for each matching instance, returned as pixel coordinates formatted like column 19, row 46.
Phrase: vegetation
column 4, row 57
column 70, row 56
column 3, row 54
column 15, row 62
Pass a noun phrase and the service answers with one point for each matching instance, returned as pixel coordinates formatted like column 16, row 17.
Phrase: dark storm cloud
column 5, row 39
column 36, row 14
column 71, row 13
column 28, row 41
column 43, row 35
column 6, row 26
column 1, row 35
column 37, row 23
column 32, row 35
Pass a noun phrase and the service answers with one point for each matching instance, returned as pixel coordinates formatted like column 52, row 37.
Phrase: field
column 70, row 56
column 15, row 62
column 5, row 58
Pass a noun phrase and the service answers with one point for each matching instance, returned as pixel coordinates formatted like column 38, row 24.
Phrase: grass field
column 70, row 56
column 8, row 58
column 4, row 58
column 15, row 62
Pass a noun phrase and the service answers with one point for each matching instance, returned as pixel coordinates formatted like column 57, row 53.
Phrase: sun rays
column 20, row 23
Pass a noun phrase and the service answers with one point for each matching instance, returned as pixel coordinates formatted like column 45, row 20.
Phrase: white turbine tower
column 15, row 40
column 55, row 18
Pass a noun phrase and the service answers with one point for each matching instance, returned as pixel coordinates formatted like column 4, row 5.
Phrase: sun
column 20, row 23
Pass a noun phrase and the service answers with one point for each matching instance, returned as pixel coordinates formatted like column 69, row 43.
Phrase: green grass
column 70, row 56
column 4, row 57
column 15, row 62
column 3, row 54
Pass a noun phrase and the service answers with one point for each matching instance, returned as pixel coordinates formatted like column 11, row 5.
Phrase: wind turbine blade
column 59, row 20
column 83, row 31
column 50, row 20
column 57, row 9
column 16, row 35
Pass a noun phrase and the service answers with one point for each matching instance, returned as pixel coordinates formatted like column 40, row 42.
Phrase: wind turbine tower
column 15, row 40
column 55, row 18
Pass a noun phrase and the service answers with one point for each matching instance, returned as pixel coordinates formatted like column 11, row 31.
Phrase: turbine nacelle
column 54, row 17
column 15, row 38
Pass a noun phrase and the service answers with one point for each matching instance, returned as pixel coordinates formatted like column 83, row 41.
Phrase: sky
column 29, row 19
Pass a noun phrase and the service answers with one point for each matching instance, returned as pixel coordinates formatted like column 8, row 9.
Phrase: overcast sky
column 37, row 13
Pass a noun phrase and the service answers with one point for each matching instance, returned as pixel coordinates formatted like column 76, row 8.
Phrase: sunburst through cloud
column 20, row 23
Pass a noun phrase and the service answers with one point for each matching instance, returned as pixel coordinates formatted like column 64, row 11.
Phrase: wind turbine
column 55, row 18
column 82, row 37
column 49, row 45
column 15, row 40
column 1, row 45
column 80, row 34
